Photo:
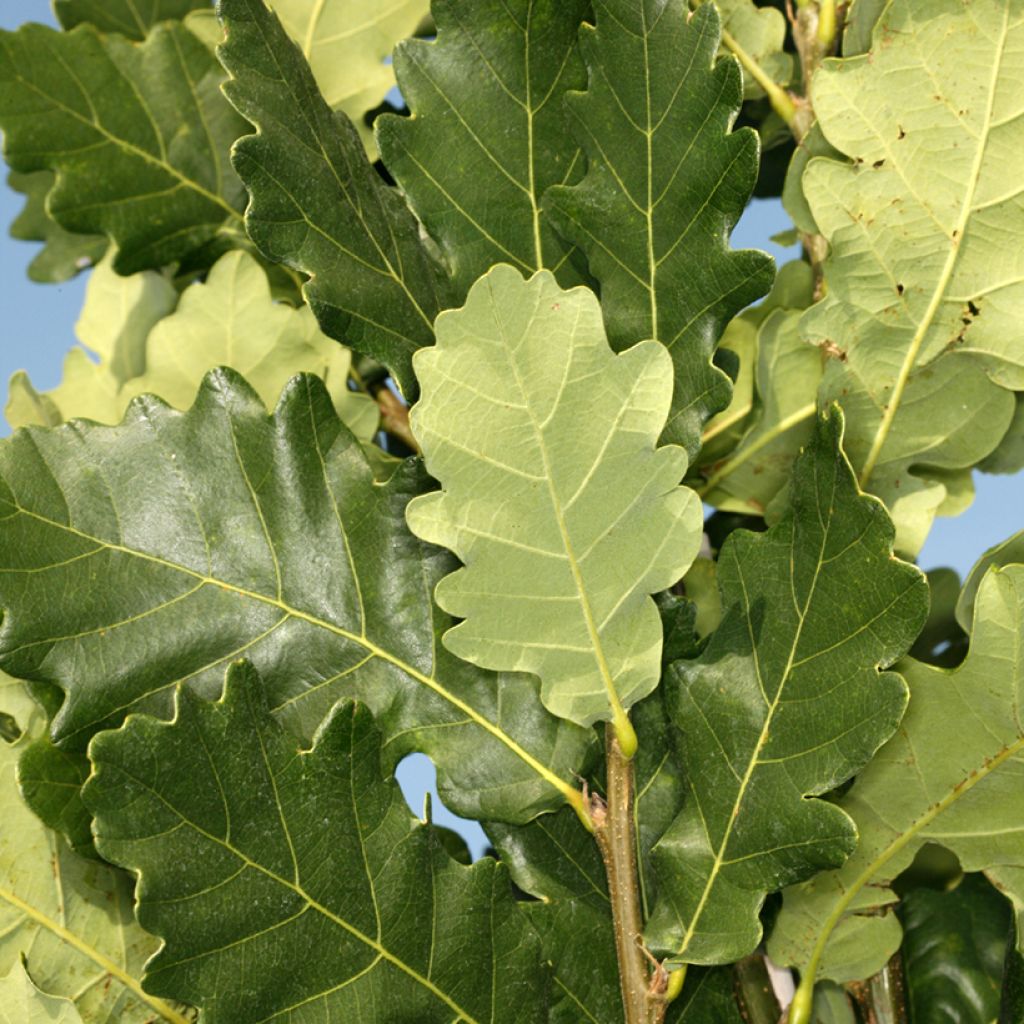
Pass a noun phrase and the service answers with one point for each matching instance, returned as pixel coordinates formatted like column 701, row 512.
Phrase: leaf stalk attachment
column 644, row 994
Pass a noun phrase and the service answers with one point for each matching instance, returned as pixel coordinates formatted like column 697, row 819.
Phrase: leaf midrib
column 901, row 841
column 129, row 147
column 956, row 243
column 360, row 639
column 755, row 757
column 92, row 954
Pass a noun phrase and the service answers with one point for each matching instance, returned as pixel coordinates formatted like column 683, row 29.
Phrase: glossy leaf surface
column 347, row 44
column 487, row 134
column 290, row 853
column 139, row 556
column 951, row 775
column 785, row 702
column 666, row 181
column 317, row 204
column 137, row 135
column 954, row 944
column 563, row 510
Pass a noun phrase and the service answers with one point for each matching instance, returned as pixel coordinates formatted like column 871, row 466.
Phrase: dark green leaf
column 137, row 134
column 786, row 702
column 954, row 944
column 64, row 254
column 665, row 183
column 132, row 18
column 487, row 136
column 317, row 204
column 289, row 854
column 138, row 556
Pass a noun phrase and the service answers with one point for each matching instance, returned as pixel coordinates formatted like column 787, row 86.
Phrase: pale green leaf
column 924, row 276
column 293, row 853
column 118, row 314
column 666, row 181
column 22, row 1003
column 563, row 510
column 64, row 254
column 144, row 347
column 951, row 417
column 787, row 378
column 138, row 556
column 1006, row 552
column 137, row 135
column 761, row 32
column 952, row 775
column 131, row 18
column 1009, row 456
column 70, row 918
column 319, row 206
column 787, row 701
column 487, row 135
column 231, row 320
column 346, row 43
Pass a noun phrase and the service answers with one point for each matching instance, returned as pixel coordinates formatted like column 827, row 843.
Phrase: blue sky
column 39, row 328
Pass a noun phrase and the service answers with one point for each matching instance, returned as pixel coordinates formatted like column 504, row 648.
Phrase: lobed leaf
column 487, row 133
column 71, row 919
column 318, row 206
column 665, row 183
column 923, row 274
column 951, row 775
column 63, row 254
column 147, row 340
column 291, row 852
column 761, row 33
column 139, row 556
column 22, row 1003
column 137, row 135
column 786, row 702
column 563, row 510
column 131, row 18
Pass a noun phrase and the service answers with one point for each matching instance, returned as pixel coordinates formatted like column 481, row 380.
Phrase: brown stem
column 394, row 416
column 642, row 990
column 758, row 1004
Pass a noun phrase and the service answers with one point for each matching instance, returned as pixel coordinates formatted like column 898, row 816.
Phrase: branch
column 644, row 994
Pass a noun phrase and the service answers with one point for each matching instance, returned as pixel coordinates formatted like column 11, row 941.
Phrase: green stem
column 782, row 103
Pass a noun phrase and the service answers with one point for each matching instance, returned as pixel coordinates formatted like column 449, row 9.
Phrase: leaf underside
column 952, row 775
column 785, row 702
column 924, row 273
column 563, row 510
column 70, row 918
